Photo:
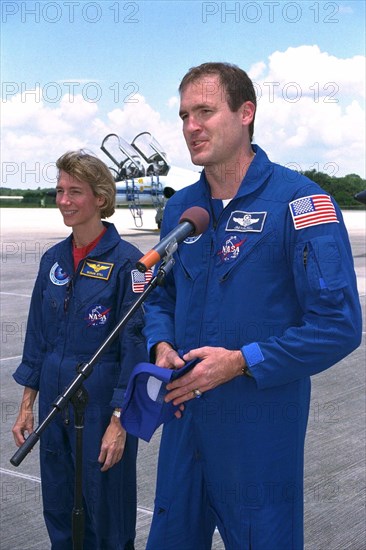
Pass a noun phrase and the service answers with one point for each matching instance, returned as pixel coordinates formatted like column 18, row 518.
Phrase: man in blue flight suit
column 264, row 299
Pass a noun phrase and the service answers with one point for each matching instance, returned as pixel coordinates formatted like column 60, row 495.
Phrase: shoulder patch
column 139, row 280
column 96, row 270
column 312, row 210
column 192, row 240
column 58, row 275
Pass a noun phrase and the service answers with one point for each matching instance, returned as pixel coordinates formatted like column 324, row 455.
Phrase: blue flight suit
column 273, row 276
column 71, row 315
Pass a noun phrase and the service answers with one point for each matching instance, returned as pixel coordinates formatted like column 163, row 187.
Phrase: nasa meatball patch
column 230, row 248
column 97, row 315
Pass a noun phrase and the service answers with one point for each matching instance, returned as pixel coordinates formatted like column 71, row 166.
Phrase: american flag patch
column 139, row 280
column 312, row 210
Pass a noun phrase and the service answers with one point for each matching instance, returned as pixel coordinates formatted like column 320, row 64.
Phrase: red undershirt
column 81, row 253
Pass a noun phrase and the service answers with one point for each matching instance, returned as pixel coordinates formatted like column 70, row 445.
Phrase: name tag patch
column 246, row 221
column 97, row 270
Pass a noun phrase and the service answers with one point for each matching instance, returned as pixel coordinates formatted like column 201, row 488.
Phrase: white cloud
column 311, row 110
column 310, row 113
column 315, row 71
column 35, row 133
column 134, row 117
column 173, row 102
column 257, row 70
column 20, row 109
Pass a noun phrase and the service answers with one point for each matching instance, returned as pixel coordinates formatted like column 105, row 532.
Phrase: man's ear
column 248, row 112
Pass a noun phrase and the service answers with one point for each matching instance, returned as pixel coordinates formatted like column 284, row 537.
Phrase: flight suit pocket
column 323, row 265
column 319, row 264
column 161, row 532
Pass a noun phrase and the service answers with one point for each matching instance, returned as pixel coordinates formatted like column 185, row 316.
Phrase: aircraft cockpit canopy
column 152, row 152
column 128, row 163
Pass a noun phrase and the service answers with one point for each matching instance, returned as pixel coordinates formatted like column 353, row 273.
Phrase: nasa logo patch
column 230, row 248
column 97, row 315
column 58, row 276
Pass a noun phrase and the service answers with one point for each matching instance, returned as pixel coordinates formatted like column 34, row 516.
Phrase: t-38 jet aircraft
column 143, row 174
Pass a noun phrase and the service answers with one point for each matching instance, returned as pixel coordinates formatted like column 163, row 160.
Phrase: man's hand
column 113, row 444
column 167, row 357
column 216, row 366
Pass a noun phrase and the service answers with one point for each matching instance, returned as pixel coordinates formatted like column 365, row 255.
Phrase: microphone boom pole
column 84, row 370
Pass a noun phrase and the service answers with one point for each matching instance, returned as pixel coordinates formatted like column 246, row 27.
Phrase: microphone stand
column 78, row 396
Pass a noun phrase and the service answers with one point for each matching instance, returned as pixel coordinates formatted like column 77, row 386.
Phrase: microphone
column 193, row 221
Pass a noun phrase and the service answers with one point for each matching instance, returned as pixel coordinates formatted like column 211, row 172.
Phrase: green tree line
column 342, row 189
column 25, row 198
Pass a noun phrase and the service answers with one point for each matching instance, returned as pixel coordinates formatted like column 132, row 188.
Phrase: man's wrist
column 117, row 412
column 244, row 370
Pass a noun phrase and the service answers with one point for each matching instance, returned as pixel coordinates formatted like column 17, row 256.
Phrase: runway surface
column 335, row 446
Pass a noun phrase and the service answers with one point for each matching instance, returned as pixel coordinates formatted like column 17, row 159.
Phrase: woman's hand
column 113, row 444
column 25, row 422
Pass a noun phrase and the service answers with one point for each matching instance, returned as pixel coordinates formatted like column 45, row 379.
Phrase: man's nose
column 192, row 124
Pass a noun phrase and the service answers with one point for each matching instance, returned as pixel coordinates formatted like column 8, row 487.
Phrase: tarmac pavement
column 335, row 445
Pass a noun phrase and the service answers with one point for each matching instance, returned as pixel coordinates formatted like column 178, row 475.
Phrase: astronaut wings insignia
column 96, row 267
column 96, row 270
column 246, row 221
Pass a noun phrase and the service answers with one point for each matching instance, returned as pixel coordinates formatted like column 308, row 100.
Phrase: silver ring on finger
column 197, row 394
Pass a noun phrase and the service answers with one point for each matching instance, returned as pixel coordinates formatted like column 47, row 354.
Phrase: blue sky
column 74, row 71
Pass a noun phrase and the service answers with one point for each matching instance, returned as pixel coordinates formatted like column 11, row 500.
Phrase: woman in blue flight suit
column 84, row 286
